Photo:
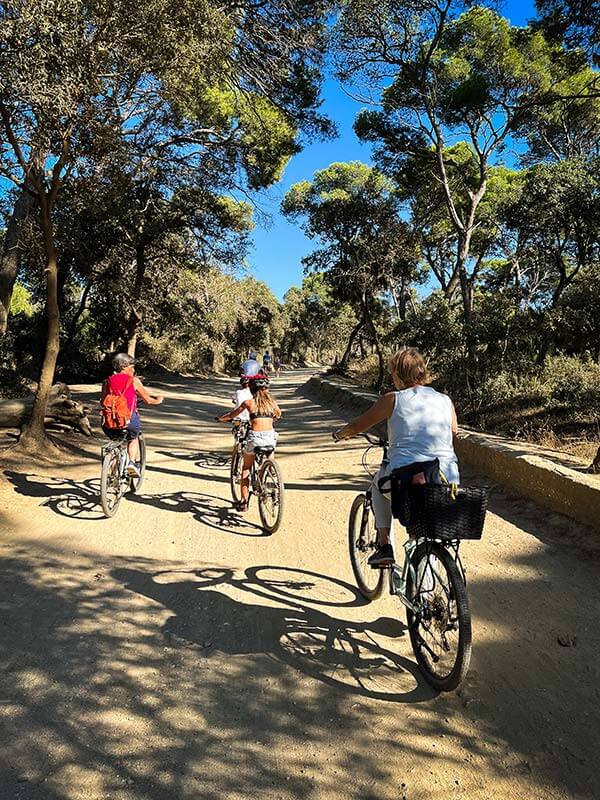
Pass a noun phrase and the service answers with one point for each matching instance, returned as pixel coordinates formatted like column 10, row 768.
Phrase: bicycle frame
column 398, row 574
column 121, row 446
column 254, row 473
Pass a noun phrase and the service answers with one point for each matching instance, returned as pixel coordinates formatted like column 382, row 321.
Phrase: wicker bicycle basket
column 436, row 512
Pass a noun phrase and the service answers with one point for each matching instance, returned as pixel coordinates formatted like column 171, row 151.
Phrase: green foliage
column 316, row 323
column 21, row 301
column 212, row 319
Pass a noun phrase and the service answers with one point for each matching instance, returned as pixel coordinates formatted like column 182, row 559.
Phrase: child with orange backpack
column 120, row 393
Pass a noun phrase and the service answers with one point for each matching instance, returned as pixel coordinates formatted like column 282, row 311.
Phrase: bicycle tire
column 369, row 590
column 135, row 484
column 107, row 460
column 450, row 679
column 270, row 465
column 235, row 474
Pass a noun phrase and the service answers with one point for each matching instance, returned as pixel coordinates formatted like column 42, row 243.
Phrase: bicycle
column 430, row 583
column 114, row 480
column 240, row 431
column 266, row 482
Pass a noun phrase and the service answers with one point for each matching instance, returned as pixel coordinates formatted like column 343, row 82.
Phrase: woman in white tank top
column 421, row 424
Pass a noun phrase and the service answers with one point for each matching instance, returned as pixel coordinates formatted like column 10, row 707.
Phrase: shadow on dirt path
column 175, row 653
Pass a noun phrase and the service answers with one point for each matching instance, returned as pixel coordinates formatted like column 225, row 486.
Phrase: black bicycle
column 266, row 482
column 431, row 581
column 114, row 480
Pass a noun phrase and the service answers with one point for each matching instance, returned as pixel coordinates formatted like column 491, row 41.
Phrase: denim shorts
column 133, row 429
column 260, row 439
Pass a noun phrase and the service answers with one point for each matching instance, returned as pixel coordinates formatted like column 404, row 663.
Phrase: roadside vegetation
column 132, row 156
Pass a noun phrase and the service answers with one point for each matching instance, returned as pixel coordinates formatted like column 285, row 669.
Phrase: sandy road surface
column 176, row 652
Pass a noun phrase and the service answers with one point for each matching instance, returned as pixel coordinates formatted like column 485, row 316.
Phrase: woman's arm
column 454, row 419
column 233, row 414
column 152, row 400
column 277, row 413
column 379, row 411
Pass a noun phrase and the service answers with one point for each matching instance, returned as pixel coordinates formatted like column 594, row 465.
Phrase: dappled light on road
column 174, row 651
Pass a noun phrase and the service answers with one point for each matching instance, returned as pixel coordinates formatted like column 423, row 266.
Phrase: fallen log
column 62, row 409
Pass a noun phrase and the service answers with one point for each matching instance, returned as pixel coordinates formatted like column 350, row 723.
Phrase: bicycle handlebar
column 374, row 440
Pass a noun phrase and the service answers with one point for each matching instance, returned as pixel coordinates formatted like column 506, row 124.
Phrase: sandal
column 242, row 505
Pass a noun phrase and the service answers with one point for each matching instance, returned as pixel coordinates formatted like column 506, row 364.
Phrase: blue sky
column 278, row 246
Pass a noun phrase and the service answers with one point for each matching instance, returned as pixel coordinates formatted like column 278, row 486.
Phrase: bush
column 562, row 396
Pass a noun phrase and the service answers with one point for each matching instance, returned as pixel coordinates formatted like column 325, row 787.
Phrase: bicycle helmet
column 250, row 367
column 121, row 361
column 259, row 382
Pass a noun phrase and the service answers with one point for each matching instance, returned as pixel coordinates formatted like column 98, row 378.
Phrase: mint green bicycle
column 430, row 582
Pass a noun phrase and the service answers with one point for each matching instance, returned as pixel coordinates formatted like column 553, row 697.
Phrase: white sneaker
column 133, row 471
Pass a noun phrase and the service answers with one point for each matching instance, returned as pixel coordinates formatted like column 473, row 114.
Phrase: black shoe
column 382, row 557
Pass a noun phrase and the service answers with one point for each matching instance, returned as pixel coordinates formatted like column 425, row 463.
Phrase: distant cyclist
column 421, row 423
column 123, row 382
column 263, row 411
column 267, row 361
column 250, row 367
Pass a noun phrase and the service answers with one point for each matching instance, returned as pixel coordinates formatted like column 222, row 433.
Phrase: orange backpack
column 115, row 412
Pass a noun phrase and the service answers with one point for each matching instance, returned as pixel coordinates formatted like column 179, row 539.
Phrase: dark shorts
column 133, row 430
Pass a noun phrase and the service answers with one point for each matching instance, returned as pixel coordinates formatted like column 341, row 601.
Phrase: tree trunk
column 135, row 316
column 34, row 434
column 61, row 408
column 343, row 365
column 10, row 259
column 378, row 350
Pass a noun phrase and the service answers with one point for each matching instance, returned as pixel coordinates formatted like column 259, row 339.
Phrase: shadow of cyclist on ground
column 69, row 498
column 339, row 652
column 210, row 510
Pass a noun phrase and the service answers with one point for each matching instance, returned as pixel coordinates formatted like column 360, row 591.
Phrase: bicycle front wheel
column 235, row 473
column 110, row 483
column 440, row 629
column 362, row 542
column 270, row 495
column 135, row 484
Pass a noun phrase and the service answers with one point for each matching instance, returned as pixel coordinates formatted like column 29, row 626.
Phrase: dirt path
column 175, row 652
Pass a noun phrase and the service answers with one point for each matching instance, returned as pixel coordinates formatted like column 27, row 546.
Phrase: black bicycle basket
column 445, row 512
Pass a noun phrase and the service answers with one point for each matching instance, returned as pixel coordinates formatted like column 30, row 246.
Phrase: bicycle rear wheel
column 235, row 473
column 135, row 484
column 362, row 542
column 270, row 495
column 110, row 482
column 440, row 632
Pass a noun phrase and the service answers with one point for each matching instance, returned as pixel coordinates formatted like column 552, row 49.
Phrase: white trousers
column 382, row 503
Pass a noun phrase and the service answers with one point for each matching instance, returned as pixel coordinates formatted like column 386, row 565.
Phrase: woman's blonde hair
column 265, row 404
column 409, row 366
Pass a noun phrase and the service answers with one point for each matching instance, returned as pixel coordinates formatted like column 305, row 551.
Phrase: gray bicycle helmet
column 122, row 360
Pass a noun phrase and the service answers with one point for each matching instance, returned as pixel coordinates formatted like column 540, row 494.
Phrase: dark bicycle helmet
column 121, row 361
column 260, row 381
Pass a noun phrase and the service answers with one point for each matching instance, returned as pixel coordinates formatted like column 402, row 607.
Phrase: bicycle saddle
column 265, row 451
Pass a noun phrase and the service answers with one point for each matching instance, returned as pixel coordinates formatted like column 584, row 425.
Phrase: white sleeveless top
column 420, row 429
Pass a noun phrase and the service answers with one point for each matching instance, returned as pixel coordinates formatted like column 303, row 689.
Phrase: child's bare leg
column 133, row 448
column 247, row 466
